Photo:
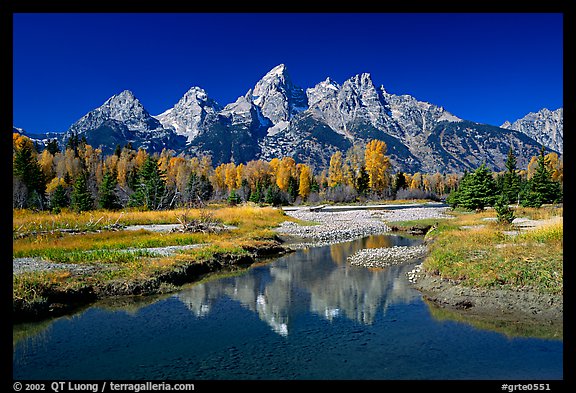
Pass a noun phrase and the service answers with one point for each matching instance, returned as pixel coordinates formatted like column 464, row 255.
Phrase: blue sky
column 484, row 67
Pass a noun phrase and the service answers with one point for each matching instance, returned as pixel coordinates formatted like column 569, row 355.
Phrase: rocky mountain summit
column 277, row 118
column 545, row 127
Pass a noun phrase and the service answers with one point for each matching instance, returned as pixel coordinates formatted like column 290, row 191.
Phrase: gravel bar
column 334, row 227
column 382, row 257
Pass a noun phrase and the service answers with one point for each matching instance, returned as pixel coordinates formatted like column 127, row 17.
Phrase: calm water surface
column 307, row 315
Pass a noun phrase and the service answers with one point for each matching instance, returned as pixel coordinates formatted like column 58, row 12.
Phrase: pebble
column 413, row 274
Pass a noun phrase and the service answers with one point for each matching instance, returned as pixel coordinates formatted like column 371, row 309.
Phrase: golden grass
column 487, row 255
column 252, row 228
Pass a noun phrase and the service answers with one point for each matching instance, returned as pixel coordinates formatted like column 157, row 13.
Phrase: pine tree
column 59, row 198
column 504, row 213
column 256, row 195
column 108, row 198
column 233, row 198
column 199, row 188
column 27, row 168
column 362, row 181
column 511, row 181
column 541, row 188
column 150, row 188
column 81, row 197
column 52, row 146
column 476, row 191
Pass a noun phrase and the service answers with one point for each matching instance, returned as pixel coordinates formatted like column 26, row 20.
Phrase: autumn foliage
column 134, row 178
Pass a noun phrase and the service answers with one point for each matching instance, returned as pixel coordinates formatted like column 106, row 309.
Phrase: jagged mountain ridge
column 277, row 118
column 545, row 127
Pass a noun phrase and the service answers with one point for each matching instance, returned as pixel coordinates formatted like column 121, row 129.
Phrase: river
column 306, row 315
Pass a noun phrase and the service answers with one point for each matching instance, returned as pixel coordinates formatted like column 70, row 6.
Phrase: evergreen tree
column 503, row 211
column 150, row 188
column 233, row 198
column 108, row 198
column 199, row 188
column 81, row 197
column 314, row 186
column 273, row 196
column 73, row 143
column 28, row 170
column 52, row 146
column 399, row 182
column 476, row 190
column 541, row 188
column 59, row 199
column 362, row 182
column 510, row 182
column 292, row 188
column 256, row 195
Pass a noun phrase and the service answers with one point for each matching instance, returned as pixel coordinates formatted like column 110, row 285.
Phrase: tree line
column 80, row 177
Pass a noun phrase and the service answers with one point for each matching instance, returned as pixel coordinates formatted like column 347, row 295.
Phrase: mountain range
column 277, row 118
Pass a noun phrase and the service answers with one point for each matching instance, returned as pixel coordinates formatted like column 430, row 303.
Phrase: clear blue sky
column 484, row 67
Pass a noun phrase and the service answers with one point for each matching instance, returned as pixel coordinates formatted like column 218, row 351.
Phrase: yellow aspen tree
column 348, row 175
column 355, row 159
column 257, row 172
column 230, row 176
column 274, row 166
column 335, row 172
column 182, row 172
column 239, row 175
column 124, row 166
column 205, row 168
column 407, row 179
column 451, row 182
column 531, row 168
column 194, row 165
column 322, row 178
column 305, row 181
column 219, row 177
column 140, row 158
column 172, row 169
column 377, row 164
column 99, row 171
column 59, row 165
column 416, row 182
column 111, row 162
column 283, row 175
column 438, row 180
column 52, row 184
column 555, row 166
column 72, row 163
column 426, row 182
column 47, row 164
column 19, row 141
column 286, row 169
column 164, row 160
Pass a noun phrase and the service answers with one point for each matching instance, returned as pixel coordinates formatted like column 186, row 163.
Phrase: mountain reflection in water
column 320, row 278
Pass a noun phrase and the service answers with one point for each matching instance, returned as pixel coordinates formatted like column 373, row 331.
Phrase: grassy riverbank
column 476, row 251
column 124, row 262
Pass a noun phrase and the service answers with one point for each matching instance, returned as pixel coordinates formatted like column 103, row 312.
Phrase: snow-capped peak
column 189, row 113
column 277, row 97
